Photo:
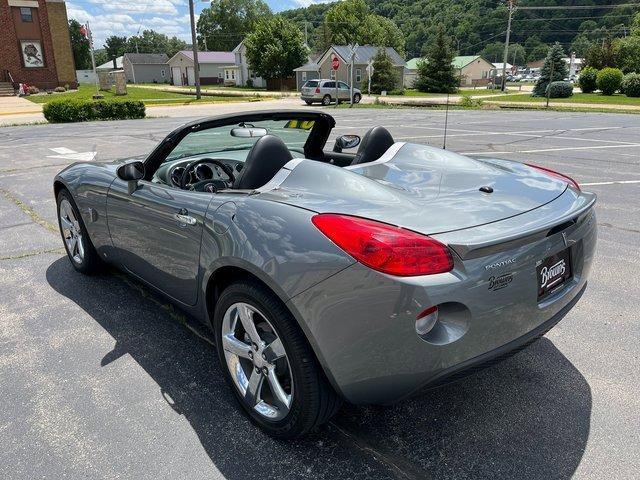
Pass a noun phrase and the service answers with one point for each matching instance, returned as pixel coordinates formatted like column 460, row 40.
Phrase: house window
column 332, row 74
column 304, row 76
column 219, row 74
column 26, row 15
column 233, row 74
column 226, row 74
column 162, row 73
column 358, row 75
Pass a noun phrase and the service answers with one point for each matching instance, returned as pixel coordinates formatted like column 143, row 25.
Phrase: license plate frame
column 553, row 273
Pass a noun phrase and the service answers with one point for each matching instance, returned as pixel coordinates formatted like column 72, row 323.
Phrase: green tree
column 580, row 45
column 351, row 21
column 223, row 26
column 627, row 53
column 635, row 26
column 115, row 46
column 153, row 42
column 385, row 76
column 517, row 54
column 436, row 72
column 601, row 54
column 275, row 47
column 493, row 51
column 79, row 46
column 554, row 62
column 538, row 53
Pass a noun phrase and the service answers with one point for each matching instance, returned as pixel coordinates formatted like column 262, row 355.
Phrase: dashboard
column 170, row 172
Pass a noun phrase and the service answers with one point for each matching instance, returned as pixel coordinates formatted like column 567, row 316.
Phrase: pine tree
column 560, row 70
column 436, row 73
column 384, row 77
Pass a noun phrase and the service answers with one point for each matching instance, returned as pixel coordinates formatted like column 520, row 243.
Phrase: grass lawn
column 597, row 98
column 147, row 95
column 462, row 91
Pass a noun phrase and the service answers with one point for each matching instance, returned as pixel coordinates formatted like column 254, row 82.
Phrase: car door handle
column 184, row 219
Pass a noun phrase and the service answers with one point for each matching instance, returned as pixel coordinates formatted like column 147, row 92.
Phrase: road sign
column 335, row 63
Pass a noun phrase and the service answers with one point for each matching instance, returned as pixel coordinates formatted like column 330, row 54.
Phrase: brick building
column 35, row 46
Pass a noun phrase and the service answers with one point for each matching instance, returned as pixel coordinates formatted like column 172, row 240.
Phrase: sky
column 128, row 17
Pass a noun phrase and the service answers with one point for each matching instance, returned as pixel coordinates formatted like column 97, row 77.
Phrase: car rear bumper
column 361, row 323
column 310, row 98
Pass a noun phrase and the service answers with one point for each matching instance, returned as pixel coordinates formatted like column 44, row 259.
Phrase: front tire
column 80, row 250
column 268, row 363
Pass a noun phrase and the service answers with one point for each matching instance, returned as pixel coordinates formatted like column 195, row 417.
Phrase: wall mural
column 32, row 53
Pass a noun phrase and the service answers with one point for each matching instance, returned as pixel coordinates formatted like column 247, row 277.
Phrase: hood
column 420, row 188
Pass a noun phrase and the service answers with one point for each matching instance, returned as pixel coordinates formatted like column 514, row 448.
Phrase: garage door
column 191, row 76
column 176, row 75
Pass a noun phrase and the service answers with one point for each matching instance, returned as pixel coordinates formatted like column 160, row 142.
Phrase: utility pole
column 512, row 8
column 196, row 65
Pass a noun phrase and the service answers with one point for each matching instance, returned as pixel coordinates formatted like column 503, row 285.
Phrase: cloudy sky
column 127, row 17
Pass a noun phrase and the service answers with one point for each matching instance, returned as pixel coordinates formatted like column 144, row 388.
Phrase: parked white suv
column 324, row 91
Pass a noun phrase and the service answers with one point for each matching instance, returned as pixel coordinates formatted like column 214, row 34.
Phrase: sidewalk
column 18, row 106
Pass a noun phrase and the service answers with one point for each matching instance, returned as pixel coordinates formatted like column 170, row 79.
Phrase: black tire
column 308, row 102
column 90, row 263
column 326, row 100
column 314, row 400
column 356, row 98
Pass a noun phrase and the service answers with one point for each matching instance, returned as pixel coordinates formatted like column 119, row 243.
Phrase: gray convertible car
column 327, row 275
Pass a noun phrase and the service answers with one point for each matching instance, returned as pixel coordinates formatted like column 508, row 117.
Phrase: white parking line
column 615, row 182
column 595, row 147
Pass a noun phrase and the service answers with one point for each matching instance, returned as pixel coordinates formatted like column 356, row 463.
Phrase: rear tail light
column 317, row 89
column 385, row 248
column 555, row 174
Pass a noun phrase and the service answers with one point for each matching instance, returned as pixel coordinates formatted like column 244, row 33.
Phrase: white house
column 216, row 68
column 244, row 72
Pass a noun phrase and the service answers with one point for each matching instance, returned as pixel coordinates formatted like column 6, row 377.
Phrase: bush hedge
column 587, row 81
column 609, row 80
column 560, row 90
column 60, row 111
column 631, row 85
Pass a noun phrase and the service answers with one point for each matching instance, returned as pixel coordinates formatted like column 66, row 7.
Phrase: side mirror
column 131, row 173
column 346, row 141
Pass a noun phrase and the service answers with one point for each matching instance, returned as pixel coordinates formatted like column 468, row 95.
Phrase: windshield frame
column 312, row 149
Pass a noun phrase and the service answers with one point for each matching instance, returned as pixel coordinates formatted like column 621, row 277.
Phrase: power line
column 580, row 7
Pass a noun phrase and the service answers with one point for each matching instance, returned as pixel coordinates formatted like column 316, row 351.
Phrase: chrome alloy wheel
column 71, row 231
column 257, row 361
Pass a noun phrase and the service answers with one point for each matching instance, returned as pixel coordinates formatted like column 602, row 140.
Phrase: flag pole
column 93, row 61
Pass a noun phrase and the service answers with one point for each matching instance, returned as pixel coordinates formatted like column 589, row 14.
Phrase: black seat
column 268, row 155
column 375, row 142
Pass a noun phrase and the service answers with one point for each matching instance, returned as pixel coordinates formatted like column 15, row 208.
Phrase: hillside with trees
column 476, row 25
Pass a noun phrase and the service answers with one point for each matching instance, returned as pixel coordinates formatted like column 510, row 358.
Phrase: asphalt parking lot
column 100, row 378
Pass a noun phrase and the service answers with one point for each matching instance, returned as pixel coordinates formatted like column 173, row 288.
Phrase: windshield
column 242, row 136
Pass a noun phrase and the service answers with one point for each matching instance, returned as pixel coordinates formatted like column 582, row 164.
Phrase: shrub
column 249, row 82
column 60, row 111
column 631, row 85
column 467, row 101
column 560, row 90
column 59, row 89
column 609, row 80
column 398, row 91
column 587, row 80
column 33, row 90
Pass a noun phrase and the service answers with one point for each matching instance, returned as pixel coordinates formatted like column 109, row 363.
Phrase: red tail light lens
column 385, row 248
column 317, row 89
column 555, row 174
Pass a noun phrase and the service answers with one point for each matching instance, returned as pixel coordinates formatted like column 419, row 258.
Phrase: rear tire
column 356, row 98
column 311, row 400
column 326, row 100
column 80, row 250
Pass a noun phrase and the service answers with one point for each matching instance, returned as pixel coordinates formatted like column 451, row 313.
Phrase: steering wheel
column 200, row 186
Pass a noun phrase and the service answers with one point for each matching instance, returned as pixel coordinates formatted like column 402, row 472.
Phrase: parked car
column 328, row 275
column 324, row 92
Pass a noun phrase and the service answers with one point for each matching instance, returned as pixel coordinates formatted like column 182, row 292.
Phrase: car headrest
column 268, row 155
column 375, row 142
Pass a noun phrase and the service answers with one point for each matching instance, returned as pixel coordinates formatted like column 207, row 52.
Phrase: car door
column 343, row 91
column 156, row 232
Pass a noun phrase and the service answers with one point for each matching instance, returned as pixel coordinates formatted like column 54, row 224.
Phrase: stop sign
column 335, row 64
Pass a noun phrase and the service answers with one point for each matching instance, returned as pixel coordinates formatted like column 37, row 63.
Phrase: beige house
column 472, row 70
column 321, row 68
